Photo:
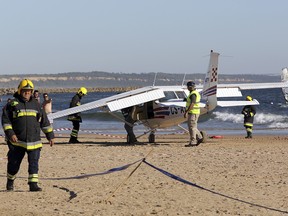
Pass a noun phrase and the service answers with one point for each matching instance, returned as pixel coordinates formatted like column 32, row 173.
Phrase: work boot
column 33, row 186
column 74, row 140
column 133, row 141
column 191, row 144
column 249, row 135
column 199, row 141
column 10, row 185
column 77, row 141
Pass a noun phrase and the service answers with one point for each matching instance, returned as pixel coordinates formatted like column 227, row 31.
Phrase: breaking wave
column 265, row 119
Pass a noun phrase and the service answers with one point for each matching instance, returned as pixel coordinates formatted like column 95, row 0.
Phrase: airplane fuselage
column 165, row 116
column 168, row 111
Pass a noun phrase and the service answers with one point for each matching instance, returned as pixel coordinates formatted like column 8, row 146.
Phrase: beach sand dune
column 233, row 176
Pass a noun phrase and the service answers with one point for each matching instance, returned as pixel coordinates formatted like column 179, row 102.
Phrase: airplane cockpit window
column 168, row 96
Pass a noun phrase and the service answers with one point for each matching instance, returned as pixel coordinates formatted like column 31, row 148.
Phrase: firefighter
column 193, row 111
column 76, row 118
column 22, row 120
column 249, row 112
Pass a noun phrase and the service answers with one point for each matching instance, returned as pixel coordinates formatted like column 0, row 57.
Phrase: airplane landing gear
column 128, row 138
column 151, row 137
column 204, row 135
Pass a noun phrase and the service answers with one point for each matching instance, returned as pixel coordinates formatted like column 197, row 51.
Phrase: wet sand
column 226, row 176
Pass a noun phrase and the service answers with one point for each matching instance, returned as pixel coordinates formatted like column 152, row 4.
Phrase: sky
column 134, row 36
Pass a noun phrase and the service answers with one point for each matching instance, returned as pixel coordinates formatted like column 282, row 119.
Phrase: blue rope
column 116, row 169
column 211, row 191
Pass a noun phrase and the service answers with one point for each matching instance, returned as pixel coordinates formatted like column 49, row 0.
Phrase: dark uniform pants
column 129, row 129
column 76, row 128
column 15, row 157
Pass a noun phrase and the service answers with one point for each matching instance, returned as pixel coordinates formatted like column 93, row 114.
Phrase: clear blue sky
column 134, row 36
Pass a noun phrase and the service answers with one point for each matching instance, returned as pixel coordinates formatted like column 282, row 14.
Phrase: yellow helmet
column 25, row 84
column 82, row 91
column 249, row 98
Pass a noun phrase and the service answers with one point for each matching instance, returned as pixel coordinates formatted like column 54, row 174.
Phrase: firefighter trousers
column 15, row 157
column 76, row 128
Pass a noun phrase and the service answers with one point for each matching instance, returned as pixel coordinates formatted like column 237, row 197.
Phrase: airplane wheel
column 204, row 135
column 152, row 138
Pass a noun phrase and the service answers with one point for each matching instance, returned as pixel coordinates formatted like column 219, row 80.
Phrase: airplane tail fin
column 210, row 83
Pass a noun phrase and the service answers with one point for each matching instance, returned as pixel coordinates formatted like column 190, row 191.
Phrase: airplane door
column 150, row 113
column 147, row 112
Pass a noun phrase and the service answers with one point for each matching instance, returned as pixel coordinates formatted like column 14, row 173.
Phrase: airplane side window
column 168, row 95
column 180, row 95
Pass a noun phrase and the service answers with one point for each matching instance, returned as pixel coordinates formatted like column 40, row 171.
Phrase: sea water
column 271, row 116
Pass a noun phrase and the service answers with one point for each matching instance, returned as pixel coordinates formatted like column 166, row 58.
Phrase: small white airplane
column 163, row 106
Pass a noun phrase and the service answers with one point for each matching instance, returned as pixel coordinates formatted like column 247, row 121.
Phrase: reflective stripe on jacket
column 196, row 107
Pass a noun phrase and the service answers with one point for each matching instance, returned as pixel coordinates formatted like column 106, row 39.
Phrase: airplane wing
column 251, row 86
column 234, row 90
column 228, row 92
column 236, row 103
column 116, row 102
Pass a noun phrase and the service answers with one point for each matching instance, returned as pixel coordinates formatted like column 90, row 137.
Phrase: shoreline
column 6, row 91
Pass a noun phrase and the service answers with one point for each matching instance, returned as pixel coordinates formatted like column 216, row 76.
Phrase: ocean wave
column 265, row 118
column 225, row 116
column 268, row 119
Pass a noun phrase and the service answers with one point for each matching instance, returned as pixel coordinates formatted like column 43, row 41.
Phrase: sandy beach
column 225, row 176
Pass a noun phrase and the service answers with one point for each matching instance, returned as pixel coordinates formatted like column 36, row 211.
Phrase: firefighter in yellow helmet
column 249, row 112
column 22, row 121
column 76, row 118
column 193, row 111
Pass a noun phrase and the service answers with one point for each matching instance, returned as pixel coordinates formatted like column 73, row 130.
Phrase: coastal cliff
column 117, row 82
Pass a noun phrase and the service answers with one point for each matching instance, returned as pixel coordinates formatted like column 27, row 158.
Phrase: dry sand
column 236, row 177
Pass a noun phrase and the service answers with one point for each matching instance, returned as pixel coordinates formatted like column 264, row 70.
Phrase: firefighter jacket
column 25, row 119
column 196, row 107
column 75, row 102
column 249, row 112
